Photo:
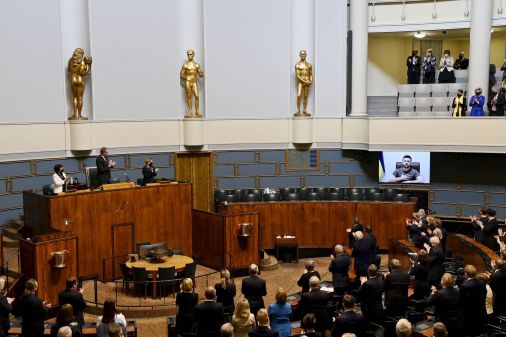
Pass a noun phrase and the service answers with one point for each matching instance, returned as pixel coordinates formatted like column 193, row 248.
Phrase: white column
column 302, row 37
column 191, row 36
column 479, row 46
column 75, row 30
column 359, row 12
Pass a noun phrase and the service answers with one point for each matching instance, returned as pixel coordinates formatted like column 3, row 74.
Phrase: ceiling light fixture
column 420, row 35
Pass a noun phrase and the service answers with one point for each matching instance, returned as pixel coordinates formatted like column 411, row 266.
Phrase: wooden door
column 197, row 168
column 122, row 245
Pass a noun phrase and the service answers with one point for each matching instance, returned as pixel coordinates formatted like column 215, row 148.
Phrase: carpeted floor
column 286, row 277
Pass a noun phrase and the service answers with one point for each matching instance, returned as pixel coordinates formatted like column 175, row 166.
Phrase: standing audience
column 243, row 320
column 5, row 308
column 459, row 104
column 420, row 270
column 263, row 329
column 254, row 288
column 339, row 267
column 473, row 294
column 309, row 272
column 225, row 292
column 446, row 73
column 476, row 102
column 110, row 318
column 209, row 315
column 447, row 305
column 186, row 301
column 429, row 67
column 32, row 311
column 74, row 297
column 349, row 321
column 280, row 314
column 370, row 293
column 315, row 302
column 396, row 289
column 414, row 63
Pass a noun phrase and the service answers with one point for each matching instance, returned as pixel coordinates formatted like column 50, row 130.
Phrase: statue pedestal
column 302, row 130
column 80, row 135
column 193, row 129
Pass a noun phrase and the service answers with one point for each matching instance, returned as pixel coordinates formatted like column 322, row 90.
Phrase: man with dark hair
column 406, row 174
column 104, row 165
column 74, row 297
column 339, row 267
column 473, row 294
column 253, row 288
column 209, row 315
column 396, row 289
column 490, row 230
column 32, row 311
column 349, row 321
column 370, row 293
column 309, row 272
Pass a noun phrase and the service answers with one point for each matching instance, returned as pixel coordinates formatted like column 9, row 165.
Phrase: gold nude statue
column 189, row 73
column 79, row 67
column 304, row 73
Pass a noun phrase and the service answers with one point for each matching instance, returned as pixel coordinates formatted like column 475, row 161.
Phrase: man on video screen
column 406, row 174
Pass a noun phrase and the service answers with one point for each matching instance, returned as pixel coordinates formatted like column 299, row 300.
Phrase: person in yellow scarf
column 459, row 104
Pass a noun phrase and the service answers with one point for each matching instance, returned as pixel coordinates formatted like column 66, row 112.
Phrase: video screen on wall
column 407, row 167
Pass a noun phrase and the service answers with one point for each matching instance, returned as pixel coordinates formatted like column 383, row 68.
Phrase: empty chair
column 423, row 90
column 423, row 106
column 140, row 278
column 231, row 198
column 189, row 272
column 440, row 106
column 238, row 195
column 303, row 193
column 293, row 196
column 219, row 195
column 406, row 104
column 127, row 276
column 283, row 192
column 407, row 90
column 322, row 192
column 354, row 196
column 400, row 197
column 166, row 279
column 377, row 196
column 439, row 90
column 312, row 196
column 424, row 113
column 251, row 197
column 389, row 193
column 255, row 191
column 334, row 193
column 270, row 197
column 453, row 87
column 368, row 192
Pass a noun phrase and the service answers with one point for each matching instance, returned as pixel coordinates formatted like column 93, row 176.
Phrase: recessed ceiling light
column 492, row 30
column 420, row 35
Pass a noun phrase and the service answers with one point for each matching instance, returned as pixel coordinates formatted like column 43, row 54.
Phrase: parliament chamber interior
column 255, row 167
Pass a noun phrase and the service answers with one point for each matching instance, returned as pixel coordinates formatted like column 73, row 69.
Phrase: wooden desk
column 290, row 243
column 323, row 224
column 474, row 252
column 178, row 261
column 109, row 223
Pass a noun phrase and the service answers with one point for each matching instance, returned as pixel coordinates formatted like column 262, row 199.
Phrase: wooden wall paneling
column 309, row 222
column 122, row 243
column 341, row 217
column 27, row 259
column 245, row 250
column 177, row 217
column 363, row 212
column 197, row 168
column 208, row 238
column 471, row 252
column 273, row 222
column 36, row 212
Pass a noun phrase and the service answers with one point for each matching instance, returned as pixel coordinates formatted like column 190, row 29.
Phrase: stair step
column 9, row 242
column 10, row 233
column 18, row 223
column 272, row 265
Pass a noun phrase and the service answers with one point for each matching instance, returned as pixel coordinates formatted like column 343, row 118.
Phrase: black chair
column 270, row 197
column 303, row 191
column 322, row 192
column 166, row 278
column 335, row 193
column 293, row 196
column 189, row 272
column 127, row 276
column 354, row 196
column 238, row 194
column 369, row 192
column 139, row 244
column 251, row 197
column 140, row 280
column 312, row 196
column 91, row 174
column 377, row 197
column 401, row 197
column 389, row 194
column 47, row 190
column 256, row 192
column 231, row 198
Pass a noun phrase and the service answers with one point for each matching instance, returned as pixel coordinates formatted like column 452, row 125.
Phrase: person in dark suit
column 462, row 62
column 209, row 315
column 5, row 309
column 149, row 172
column 473, row 294
column 262, row 329
column 349, row 321
column 370, row 293
column 476, row 222
column 339, row 267
column 415, row 230
column 498, row 285
column 225, row 292
column 254, row 288
column 447, row 305
column 73, row 297
column 435, row 261
column 420, row 270
column 309, row 272
column 373, row 244
column 396, row 289
column 186, row 301
column 490, row 230
column 414, row 64
column 362, row 254
column 104, row 165
column 356, row 227
column 32, row 311
column 315, row 302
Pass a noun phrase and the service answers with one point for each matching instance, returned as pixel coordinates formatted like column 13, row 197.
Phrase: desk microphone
column 126, row 177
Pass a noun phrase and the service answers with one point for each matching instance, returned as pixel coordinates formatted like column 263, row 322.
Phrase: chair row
column 309, row 193
column 430, row 90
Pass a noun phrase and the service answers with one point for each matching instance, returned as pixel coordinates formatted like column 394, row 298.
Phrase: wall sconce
column 59, row 259
column 244, row 230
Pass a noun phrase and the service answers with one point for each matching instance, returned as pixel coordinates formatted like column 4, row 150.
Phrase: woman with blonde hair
column 280, row 314
column 186, row 301
column 242, row 320
column 225, row 292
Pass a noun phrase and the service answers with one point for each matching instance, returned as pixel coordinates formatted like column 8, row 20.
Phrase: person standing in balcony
column 429, row 67
column 446, row 73
column 414, row 62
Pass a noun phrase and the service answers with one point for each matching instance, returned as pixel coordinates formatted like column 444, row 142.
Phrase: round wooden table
column 178, row 261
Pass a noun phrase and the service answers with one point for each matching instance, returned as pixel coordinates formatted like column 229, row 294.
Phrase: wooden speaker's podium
column 50, row 259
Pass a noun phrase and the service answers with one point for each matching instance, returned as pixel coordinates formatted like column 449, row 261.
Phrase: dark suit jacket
column 315, row 302
column 32, row 312
column 339, row 267
column 396, row 292
column 473, row 293
column 349, row 321
column 362, row 254
column 498, row 285
column 5, row 309
column 254, row 289
column 489, row 231
column 76, row 300
column 226, row 297
column 436, row 268
column 209, row 318
column 148, row 174
column 414, row 68
column 371, row 302
column 447, row 305
column 186, row 303
column 351, row 238
column 103, row 169
column 263, row 331
column 421, row 288
column 303, row 281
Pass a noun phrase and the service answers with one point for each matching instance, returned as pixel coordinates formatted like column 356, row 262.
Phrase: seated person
column 406, row 174
column 309, row 272
column 149, row 172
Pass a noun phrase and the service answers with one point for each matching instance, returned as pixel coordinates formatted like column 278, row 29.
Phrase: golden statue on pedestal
column 304, row 73
column 79, row 67
column 189, row 73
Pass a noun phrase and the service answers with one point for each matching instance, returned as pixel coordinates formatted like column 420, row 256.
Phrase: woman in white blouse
column 59, row 178
column 446, row 73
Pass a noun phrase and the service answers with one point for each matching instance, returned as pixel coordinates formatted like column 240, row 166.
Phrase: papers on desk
column 327, row 289
column 285, row 237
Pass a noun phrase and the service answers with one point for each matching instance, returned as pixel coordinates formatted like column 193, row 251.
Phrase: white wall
column 136, row 62
column 31, row 79
column 247, row 58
